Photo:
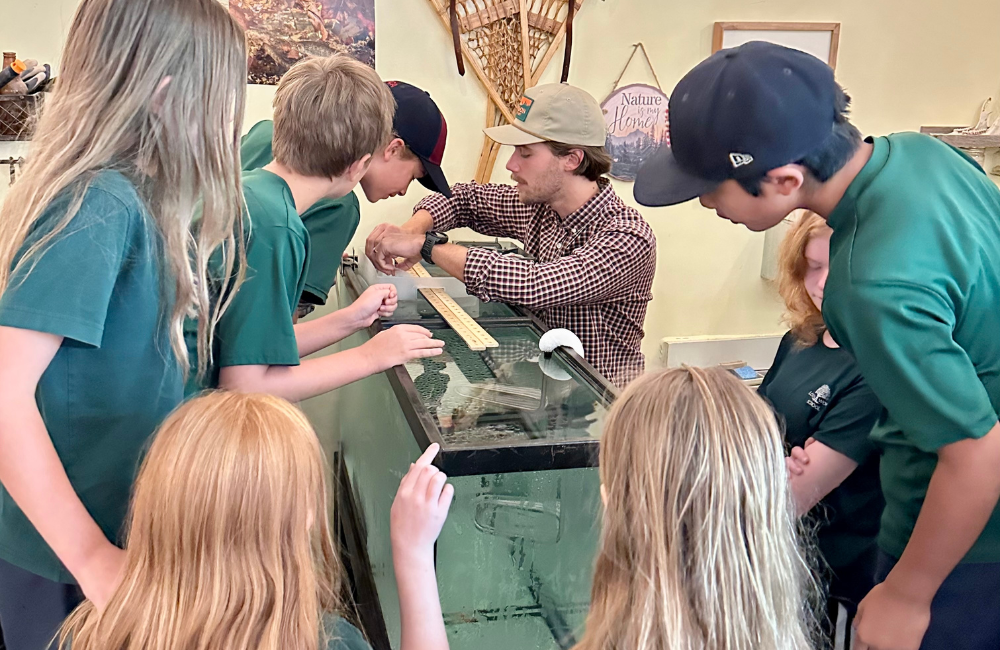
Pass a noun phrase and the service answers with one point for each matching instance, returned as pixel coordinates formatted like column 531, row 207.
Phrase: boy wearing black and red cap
column 912, row 292
column 414, row 153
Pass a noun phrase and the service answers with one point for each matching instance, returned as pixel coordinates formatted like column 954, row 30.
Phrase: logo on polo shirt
column 819, row 397
column 524, row 108
column 740, row 159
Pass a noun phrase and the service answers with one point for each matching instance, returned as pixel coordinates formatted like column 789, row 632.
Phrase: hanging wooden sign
column 638, row 124
column 637, row 119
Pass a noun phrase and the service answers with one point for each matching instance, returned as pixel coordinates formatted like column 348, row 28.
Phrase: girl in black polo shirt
column 828, row 412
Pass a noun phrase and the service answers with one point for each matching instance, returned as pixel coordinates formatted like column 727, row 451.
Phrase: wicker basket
column 17, row 116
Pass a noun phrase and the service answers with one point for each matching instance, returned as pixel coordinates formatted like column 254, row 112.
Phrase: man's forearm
column 961, row 497
column 451, row 258
column 419, row 223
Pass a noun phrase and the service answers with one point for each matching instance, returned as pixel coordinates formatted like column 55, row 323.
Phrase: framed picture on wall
column 280, row 33
column 822, row 40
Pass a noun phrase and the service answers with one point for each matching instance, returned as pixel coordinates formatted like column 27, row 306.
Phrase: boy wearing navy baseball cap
column 914, row 283
column 413, row 153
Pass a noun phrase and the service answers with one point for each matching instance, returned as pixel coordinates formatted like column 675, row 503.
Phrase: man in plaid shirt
column 594, row 256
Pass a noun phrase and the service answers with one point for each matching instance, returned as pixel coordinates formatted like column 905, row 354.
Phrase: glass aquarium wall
column 519, row 434
column 515, row 559
column 503, row 394
column 378, row 447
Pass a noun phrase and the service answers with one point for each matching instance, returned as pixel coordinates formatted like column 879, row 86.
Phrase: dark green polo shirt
column 331, row 222
column 115, row 376
column 914, row 294
column 258, row 328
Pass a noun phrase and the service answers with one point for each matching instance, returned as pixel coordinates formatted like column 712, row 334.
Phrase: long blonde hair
column 801, row 314
column 699, row 548
column 229, row 542
column 113, row 109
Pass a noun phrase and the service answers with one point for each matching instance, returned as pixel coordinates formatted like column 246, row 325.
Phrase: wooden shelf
column 943, row 133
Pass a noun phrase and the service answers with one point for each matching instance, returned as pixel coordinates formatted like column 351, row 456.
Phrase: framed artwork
column 822, row 40
column 282, row 32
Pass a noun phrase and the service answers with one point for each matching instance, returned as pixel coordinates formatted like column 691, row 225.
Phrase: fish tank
column 519, row 433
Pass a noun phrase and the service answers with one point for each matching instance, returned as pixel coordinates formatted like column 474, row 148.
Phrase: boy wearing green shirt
column 912, row 292
column 419, row 132
column 331, row 115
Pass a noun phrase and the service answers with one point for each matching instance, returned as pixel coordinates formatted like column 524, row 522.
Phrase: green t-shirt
column 258, row 328
column 331, row 222
column 342, row 635
column 914, row 293
column 115, row 377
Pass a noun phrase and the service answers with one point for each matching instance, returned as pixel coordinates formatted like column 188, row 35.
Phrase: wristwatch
column 431, row 240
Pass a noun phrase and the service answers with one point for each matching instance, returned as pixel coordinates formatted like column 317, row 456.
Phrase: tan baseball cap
column 554, row 113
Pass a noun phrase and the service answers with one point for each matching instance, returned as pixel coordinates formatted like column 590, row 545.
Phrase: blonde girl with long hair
column 229, row 545
column 99, row 265
column 828, row 411
column 699, row 547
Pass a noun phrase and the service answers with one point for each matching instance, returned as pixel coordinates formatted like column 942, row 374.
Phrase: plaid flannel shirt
column 593, row 272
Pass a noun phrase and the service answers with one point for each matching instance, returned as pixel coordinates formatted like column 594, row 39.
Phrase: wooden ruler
column 471, row 332
column 418, row 271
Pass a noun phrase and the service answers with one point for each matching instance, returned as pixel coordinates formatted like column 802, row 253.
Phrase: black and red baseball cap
column 420, row 124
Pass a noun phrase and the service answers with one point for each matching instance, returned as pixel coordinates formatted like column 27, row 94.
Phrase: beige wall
column 906, row 62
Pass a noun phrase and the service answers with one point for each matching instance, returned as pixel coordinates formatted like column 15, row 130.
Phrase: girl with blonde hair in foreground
column 229, row 541
column 699, row 549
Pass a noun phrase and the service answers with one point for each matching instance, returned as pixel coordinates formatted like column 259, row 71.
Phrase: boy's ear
column 787, row 179
column 358, row 168
column 394, row 149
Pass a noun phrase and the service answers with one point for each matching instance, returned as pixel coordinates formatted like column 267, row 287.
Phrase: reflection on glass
column 409, row 311
column 515, row 559
column 502, row 395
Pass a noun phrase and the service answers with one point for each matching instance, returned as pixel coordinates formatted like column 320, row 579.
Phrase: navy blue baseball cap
column 737, row 115
column 419, row 123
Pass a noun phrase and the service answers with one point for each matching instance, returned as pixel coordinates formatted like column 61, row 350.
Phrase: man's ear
column 572, row 160
column 787, row 179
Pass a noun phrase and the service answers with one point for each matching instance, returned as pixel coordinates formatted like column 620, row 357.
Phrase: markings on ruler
column 418, row 271
column 471, row 332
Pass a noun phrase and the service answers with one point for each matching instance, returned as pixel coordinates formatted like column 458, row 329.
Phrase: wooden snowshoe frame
column 508, row 44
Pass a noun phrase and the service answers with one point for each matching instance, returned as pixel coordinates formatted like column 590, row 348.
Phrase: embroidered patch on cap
column 740, row 159
column 524, row 108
